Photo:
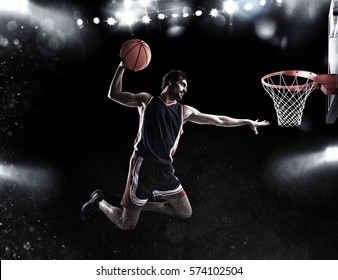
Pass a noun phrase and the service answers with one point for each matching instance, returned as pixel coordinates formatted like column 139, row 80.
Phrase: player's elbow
column 112, row 94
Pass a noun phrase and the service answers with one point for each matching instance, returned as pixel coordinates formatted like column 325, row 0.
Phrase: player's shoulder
column 145, row 97
column 188, row 111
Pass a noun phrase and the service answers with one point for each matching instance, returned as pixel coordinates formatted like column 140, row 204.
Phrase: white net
column 289, row 94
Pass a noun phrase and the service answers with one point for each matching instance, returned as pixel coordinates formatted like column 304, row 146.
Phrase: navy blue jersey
column 160, row 128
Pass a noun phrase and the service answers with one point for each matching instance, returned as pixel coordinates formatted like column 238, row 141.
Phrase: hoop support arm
column 328, row 83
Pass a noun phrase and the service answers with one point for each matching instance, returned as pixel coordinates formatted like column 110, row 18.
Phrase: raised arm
column 193, row 115
column 123, row 97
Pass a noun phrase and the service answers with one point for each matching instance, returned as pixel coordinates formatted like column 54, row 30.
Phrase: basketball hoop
column 290, row 89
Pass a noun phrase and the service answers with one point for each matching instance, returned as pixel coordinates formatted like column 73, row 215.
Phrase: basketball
column 135, row 54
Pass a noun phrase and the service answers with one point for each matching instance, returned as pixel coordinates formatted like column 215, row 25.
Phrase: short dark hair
column 174, row 75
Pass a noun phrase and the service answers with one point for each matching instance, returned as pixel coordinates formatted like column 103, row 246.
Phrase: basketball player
column 151, row 174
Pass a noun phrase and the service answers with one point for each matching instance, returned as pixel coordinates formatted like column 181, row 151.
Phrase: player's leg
column 178, row 207
column 176, row 202
column 127, row 217
column 124, row 218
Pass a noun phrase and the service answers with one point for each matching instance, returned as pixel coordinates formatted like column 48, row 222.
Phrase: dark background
column 253, row 196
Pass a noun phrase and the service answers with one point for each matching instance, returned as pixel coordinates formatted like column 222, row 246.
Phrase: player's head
column 174, row 76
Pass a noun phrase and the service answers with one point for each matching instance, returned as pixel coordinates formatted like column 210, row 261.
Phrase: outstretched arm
column 123, row 97
column 193, row 115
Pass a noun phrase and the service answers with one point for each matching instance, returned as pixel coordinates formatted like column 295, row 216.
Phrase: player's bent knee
column 186, row 214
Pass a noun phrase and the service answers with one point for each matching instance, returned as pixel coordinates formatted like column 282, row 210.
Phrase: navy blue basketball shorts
column 147, row 179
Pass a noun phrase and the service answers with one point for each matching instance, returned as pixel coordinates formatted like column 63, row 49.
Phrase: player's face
column 180, row 89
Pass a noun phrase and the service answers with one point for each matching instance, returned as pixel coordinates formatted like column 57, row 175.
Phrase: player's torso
column 160, row 129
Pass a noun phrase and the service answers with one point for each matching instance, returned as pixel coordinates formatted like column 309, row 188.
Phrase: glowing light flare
column 331, row 154
column 265, row 28
column 145, row 3
column 128, row 4
column 111, row 21
column 79, row 23
column 214, row 12
column 146, row 19
column 279, row 2
column 28, row 176
column 53, row 27
column 5, row 172
column 186, row 12
column 230, row 7
column 161, row 16
column 175, row 31
column 126, row 17
column 305, row 175
column 248, row 6
column 3, row 41
column 302, row 165
column 198, row 13
column 20, row 6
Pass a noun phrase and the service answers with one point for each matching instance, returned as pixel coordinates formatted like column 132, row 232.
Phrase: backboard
column 332, row 100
